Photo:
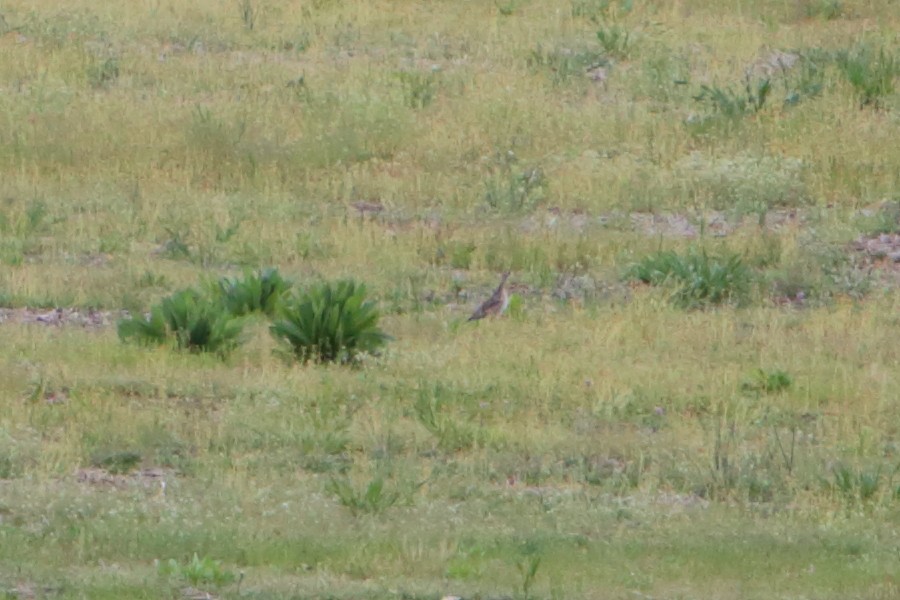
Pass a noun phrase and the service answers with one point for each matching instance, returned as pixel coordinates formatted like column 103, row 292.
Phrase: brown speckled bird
column 496, row 304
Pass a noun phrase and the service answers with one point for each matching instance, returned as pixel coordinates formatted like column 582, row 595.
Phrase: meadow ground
column 731, row 434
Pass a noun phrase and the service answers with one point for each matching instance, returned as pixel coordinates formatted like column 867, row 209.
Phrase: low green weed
column 565, row 65
column 117, row 461
column 726, row 106
column 699, row 280
column 768, row 382
column 807, row 79
column 103, row 74
column 419, row 89
column 885, row 220
column 822, row 9
column 452, row 436
column 616, row 41
column 198, row 571
column 870, row 73
column 177, row 245
column 371, row 499
column 249, row 13
column 855, row 484
column 510, row 191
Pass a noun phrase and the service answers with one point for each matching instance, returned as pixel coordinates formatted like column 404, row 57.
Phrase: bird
column 496, row 304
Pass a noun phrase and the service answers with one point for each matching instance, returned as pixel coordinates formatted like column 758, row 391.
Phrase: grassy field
column 618, row 434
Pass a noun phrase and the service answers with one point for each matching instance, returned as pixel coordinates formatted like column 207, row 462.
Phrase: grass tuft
column 699, row 280
column 870, row 73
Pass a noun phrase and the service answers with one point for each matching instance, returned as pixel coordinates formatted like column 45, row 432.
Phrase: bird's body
column 496, row 304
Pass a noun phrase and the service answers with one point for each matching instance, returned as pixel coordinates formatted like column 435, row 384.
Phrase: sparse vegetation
column 697, row 278
column 726, row 106
column 693, row 392
column 871, row 73
column 373, row 498
column 745, row 184
column 198, row 571
column 102, row 74
column 616, row 41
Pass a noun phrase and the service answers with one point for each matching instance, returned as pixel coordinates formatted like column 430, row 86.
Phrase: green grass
column 600, row 441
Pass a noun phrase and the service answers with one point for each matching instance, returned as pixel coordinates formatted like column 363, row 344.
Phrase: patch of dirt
column 27, row 591
column 192, row 593
column 883, row 249
column 774, row 63
column 879, row 255
column 683, row 501
column 666, row 225
column 88, row 318
column 674, row 225
column 584, row 288
column 148, row 478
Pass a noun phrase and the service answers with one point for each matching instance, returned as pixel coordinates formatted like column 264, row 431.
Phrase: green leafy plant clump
column 699, row 280
column 871, row 74
column 260, row 292
column 372, row 499
column 198, row 571
column 330, row 323
column 768, row 382
column 193, row 321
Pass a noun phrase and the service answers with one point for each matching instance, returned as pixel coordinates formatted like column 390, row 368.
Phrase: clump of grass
column 870, row 73
column 729, row 103
column 808, row 78
column 103, row 74
column 451, row 435
column 249, row 12
column 566, row 64
column 768, row 382
column 457, row 254
column 346, row 131
column 886, row 220
column 823, row 9
column 615, row 40
column 177, row 245
column 194, row 322
column 854, row 484
column 212, row 136
column 261, row 292
column 198, row 571
column 117, row 461
column 507, row 9
column 330, row 323
column 699, row 280
column 724, row 105
column 419, row 89
column 528, row 568
column 371, row 499
column 592, row 10
column 510, row 191
column 597, row 11
column 817, row 272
